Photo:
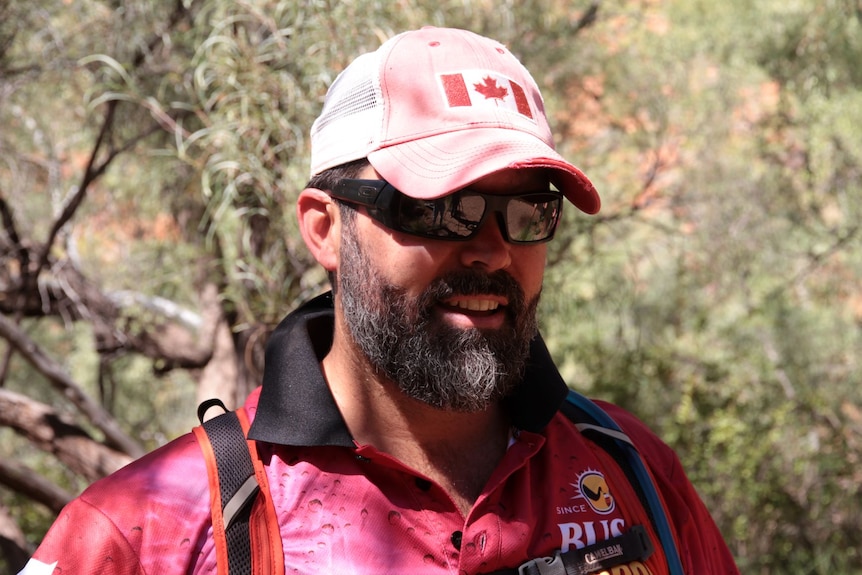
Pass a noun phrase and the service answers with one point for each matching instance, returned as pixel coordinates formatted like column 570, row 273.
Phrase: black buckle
column 543, row 566
column 633, row 545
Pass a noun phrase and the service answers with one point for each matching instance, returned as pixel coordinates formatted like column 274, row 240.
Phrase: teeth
column 477, row 305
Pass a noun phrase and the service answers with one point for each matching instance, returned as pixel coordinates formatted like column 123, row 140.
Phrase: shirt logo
column 483, row 88
column 593, row 488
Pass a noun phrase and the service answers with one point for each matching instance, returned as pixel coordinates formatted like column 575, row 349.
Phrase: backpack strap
column 599, row 427
column 245, row 526
column 596, row 424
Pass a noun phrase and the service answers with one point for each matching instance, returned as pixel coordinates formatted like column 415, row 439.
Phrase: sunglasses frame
column 382, row 200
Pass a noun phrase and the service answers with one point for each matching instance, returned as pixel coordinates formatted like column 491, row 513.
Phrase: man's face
column 449, row 322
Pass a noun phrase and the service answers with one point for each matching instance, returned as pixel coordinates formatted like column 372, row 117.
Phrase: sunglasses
column 524, row 218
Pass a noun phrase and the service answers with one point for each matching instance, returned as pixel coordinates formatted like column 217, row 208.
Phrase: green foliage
column 725, row 312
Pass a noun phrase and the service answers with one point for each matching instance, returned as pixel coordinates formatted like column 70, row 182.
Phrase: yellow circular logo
column 593, row 487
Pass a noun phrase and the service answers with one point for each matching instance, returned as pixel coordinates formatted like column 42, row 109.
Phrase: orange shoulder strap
column 245, row 527
column 267, row 557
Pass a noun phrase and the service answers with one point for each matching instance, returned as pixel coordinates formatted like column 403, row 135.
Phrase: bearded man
column 411, row 420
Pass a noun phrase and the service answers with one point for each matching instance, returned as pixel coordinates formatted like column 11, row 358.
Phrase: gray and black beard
column 403, row 339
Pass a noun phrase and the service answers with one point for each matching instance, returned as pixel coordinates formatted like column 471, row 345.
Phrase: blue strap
column 639, row 469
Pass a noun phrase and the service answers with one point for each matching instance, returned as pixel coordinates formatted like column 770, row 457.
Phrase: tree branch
column 93, row 170
column 9, row 222
column 91, row 173
column 58, row 378
column 27, row 482
column 49, row 431
column 816, row 260
column 588, row 18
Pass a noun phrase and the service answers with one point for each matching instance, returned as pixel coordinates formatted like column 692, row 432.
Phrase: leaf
column 490, row 89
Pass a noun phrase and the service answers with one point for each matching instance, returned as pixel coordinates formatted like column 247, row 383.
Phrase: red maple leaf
column 490, row 89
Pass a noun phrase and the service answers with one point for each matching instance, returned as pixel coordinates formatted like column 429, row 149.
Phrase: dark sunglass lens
column 453, row 216
column 532, row 218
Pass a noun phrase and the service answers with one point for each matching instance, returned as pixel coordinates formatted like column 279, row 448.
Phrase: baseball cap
column 433, row 110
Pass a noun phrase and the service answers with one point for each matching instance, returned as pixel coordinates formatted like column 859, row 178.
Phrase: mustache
column 473, row 282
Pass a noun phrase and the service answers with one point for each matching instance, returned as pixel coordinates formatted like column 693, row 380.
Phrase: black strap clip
column 633, row 545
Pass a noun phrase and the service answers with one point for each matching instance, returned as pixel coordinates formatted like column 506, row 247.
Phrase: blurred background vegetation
column 150, row 154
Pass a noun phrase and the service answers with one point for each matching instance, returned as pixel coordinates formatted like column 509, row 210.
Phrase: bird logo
column 593, row 487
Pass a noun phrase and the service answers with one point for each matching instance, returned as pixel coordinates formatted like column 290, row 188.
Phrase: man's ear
column 320, row 225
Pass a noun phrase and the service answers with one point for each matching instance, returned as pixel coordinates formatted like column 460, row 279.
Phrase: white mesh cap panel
column 349, row 124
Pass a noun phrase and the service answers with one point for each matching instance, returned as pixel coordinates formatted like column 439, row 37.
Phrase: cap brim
column 438, row 165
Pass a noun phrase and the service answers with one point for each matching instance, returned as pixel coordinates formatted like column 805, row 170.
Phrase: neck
column 457, row 450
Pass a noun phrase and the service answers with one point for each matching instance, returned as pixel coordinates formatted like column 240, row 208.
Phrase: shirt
column 348, row 508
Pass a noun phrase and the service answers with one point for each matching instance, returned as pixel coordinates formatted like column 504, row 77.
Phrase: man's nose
column 488, row 249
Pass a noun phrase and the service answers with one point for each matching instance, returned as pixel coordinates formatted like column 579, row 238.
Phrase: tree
column 725, row 310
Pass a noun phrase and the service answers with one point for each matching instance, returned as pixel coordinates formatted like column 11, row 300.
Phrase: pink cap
column 436, row 109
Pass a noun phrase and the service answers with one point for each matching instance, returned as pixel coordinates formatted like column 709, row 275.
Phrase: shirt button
column 456, row 539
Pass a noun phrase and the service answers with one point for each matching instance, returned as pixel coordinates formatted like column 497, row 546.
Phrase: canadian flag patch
column 484, row 88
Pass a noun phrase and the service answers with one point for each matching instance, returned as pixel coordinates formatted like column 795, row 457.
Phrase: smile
column 481, row 305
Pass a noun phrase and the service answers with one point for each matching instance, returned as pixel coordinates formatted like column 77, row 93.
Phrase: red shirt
column 350, row 509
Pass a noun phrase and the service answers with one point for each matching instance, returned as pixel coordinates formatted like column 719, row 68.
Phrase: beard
column 403, row 338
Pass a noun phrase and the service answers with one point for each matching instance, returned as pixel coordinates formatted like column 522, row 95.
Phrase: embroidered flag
column 483, row 88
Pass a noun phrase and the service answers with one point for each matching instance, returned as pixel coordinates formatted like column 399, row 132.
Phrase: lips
column 472, row 298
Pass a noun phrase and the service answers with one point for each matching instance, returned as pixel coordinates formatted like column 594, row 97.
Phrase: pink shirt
column 351, row 509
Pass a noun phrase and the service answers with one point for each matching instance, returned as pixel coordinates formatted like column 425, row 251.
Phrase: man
column 409, row 422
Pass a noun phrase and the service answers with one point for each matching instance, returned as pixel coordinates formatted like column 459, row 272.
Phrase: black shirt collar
column 297, row 408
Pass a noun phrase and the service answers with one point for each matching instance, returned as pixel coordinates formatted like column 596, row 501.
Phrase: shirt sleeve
column 150, row 517
column 702, row 548
column 82, row 540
